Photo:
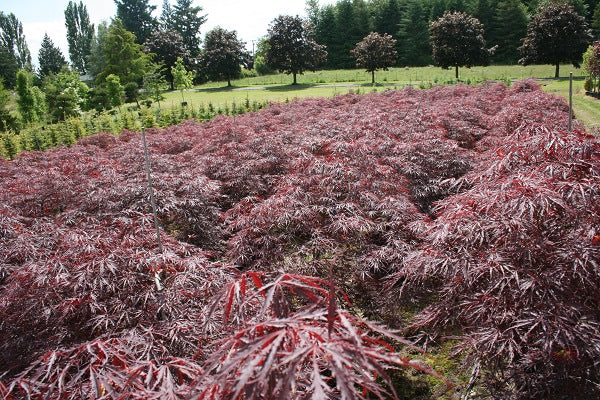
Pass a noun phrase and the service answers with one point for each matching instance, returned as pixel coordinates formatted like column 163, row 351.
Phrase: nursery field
column 410, row 244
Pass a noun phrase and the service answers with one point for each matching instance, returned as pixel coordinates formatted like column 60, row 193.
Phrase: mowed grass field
column 278, row 88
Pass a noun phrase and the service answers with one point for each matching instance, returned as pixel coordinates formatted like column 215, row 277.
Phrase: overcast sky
column 250, row 18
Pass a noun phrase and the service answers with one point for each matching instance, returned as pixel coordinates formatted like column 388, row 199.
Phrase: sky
column 250, row 18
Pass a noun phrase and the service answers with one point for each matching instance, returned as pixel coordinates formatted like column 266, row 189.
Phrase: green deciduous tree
column 223, row 55
column 260, row 65
column 375, row 52
column 556, row 34
column 155, row 83
column 137, row 18
column 291, row 48
column 80, row 33
column 182, row 78
column 457, row 40
column 167, row 47
column 123, row 57
column 187, row 20
column 12, row 38
column 50, row 58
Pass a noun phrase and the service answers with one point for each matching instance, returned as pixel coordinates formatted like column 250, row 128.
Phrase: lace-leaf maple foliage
column 468, row 206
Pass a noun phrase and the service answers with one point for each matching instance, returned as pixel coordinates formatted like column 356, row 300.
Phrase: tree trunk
column 556, row 70
column 228, row 82
column 456, row 71
column 373, row 77
column 294, row 79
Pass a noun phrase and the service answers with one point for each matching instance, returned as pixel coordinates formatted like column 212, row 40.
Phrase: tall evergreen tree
column 166, row 16
column 137, row 18
column 12, row 38
column 387, row 20
column 80, row 33
column 596, row 22
column 325, row 33
column 123, row 56
column 413, row 35
column 347, row 35
column 508, row 28
column 362, row 18
column 187, row 20
column 50, row 58
column 312, row 12
column 484, row 12
column 438, row 7
column 456, row 6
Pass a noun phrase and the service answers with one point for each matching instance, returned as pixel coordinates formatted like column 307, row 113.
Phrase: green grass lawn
column 585, row 108
column 278, row 88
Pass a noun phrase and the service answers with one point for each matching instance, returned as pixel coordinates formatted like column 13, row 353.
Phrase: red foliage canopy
column 470, row 202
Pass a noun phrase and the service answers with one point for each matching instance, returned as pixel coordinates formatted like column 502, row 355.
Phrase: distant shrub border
column 43, row 137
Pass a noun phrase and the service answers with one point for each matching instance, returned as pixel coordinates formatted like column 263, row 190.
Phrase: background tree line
column 139, row 50
column 342, row 25
column 111, row 62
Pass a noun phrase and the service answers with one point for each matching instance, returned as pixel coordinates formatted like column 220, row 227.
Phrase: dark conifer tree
column 50, row 58
column 8, row 66
column 325, row 34
column 508, row 28
column 387, row 19
column 484, row 12
column 187, row 20
column 347, row 35
column 413, row 36
column 137, row 18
